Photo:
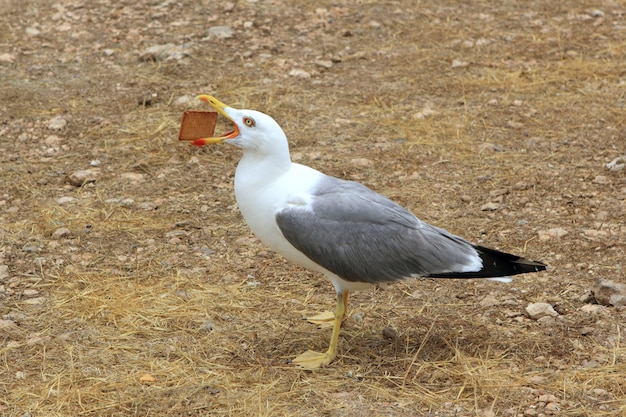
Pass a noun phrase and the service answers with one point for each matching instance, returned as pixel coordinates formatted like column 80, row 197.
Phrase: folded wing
column 363, row 236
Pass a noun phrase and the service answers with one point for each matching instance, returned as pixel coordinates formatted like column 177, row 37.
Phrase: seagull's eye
column 249, row 121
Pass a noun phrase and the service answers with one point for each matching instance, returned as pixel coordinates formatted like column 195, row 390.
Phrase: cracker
column 197, row 125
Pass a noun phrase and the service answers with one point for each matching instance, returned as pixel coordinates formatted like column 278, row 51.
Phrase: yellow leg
column 311, row 359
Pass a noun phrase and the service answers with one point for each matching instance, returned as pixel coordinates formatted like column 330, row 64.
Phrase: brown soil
column 135, row 288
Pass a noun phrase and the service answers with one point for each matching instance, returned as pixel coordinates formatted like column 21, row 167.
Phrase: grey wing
column 362, row 236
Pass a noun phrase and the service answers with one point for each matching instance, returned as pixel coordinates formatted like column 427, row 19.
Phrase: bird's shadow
column 360, row 343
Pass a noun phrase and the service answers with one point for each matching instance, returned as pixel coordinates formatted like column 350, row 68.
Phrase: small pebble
column 147, row 379
column 4, row 272
column 165, row 52
column 50, row 152
column 82, row 177
column 299, row 73
column 602, row 215
column 7, row 324
column 147, row 205
column 587, row 331
column 327, row 64
column 514, row 124
column 37, row 300
column 489, row 147
column 587, row 297
column 591, row 364
column 530, row 412
column 601, row 179
column 33, row 31
column 546, row 321
column 7, row 58
column 57, row 123
column 499, row 192
column 134, row 177
column 520, row 186
column 361, row 162
column 595, row 234
column 489, row 301
column 538, row 310
column 425, row 113
column 537, row 379
column 183, row 101
column 30, row 248
column 60, row 233
column 358, row 317
column 220, row 32
column 457, row 63
column 207, row 326
column 591, row 308
column 65, row 200
column 609, row 293
column 600, row 392
column 390, row 333
column 52, row 140
column 491, row 206
column 554, row 233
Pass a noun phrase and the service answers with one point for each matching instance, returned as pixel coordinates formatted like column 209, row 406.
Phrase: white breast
column 259, row 200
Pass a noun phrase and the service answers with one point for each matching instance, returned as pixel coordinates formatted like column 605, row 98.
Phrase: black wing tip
column 529, row 265
column 497, row 264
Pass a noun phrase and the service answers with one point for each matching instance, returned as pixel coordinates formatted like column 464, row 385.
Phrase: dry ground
column 142, row 293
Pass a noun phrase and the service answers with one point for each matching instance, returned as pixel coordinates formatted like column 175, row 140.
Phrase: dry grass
column 166, row 305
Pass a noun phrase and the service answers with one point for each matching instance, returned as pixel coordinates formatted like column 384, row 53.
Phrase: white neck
column 256, row 171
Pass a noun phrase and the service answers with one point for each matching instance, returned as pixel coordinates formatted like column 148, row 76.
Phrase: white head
column 256, row 133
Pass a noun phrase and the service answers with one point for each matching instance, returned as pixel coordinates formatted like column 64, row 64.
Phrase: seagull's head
column 252, row 130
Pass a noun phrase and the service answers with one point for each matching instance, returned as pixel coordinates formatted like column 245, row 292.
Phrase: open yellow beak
column 219, row 106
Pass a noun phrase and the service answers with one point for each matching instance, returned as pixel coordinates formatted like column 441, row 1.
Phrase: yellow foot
column 313, row 360
column 323, row 320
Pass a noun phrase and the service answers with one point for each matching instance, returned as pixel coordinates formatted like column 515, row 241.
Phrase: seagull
column 342, row 229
